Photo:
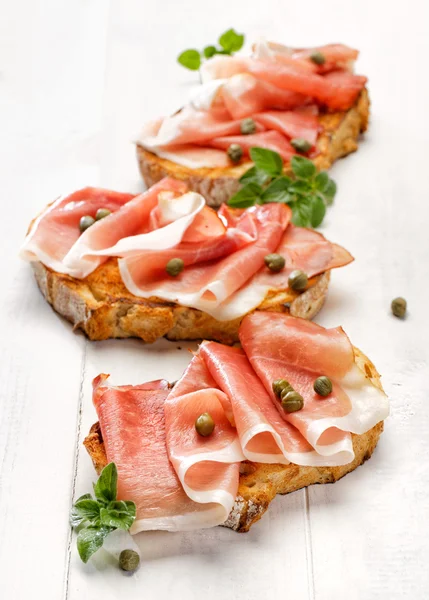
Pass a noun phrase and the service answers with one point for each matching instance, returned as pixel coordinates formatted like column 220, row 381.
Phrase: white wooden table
column 77, row 80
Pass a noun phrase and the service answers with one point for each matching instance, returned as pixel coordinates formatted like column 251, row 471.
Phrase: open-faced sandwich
column 297, row 404
column 164, row 264
column 305, row 101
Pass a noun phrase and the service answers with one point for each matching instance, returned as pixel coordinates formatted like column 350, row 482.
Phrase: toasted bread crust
column 339, row 138
column 260, row 483
column 103, row 308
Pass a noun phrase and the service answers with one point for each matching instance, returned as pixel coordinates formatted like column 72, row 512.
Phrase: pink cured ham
column 244, row 96
column 56, row 230
column 207, row 285
column 207, row 467
column 302, row 248
column 55, row 239
column 300, row 351
column 133, row 427
column 338, row 93
column 264, row 435
column 271, row 140
column 291, row 124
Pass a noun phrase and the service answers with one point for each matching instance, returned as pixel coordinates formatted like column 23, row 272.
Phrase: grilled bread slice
column 259, row 483
column 103, row 308
column 339, row 138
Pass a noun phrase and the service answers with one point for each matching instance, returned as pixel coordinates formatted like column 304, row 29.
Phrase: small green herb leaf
column 190, row 59
column 330, row 191
column 278, row 191
column 84, row 510
column 267, row 161
column 321, row 181
column 90, row 539
column 247, row 196
column 318, row 210
column 301, row 213
column 303, row 168
column 116, row 518
column 254, row 175
column 209, row 51
column 106, row 487
column 231, row 41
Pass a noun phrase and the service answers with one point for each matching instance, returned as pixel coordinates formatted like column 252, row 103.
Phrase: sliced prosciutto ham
column 272, row 86
column 132, row 423
column 209, row 286
column 300, row 351
column 207, row 467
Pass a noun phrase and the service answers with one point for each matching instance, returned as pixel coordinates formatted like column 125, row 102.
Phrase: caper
column 175, row 266
column 279, row 385
column 86, row 222
column 204, row 424
column 129, row 560
column 292, row 401
column 247, row 126
column 275, row 262
column 300, row 145
column 101, row 213
column 318, row 58
column 322, row 386
column 235, row 152
column 297, row 280
column 399, row 307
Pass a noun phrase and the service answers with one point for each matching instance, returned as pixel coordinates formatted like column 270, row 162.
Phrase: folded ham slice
column 300, row 351
column 207, row 286
column 207, row 467
column 133, row 427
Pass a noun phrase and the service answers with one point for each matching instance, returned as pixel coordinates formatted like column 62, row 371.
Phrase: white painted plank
column 50, row 88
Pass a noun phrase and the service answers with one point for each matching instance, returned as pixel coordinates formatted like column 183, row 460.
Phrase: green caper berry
column 247, row 126
column 300, row 145
column 323, row 386
column 235, row 152
column 86, row 222
column 399, row 307
column 204, row 424
column 275, row 262
column 279, row 385
column 175, row 266
column 297, row 280
column 285, row 391
column 129, row 560
column 102, row 213
column 292, row 401
column 318, row 58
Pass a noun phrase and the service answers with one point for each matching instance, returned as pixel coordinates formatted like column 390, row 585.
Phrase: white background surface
column 77, row 80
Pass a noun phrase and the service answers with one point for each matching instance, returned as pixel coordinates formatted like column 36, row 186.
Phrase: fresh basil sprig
column 98, row 517
column 229, row 42
column 307, row 192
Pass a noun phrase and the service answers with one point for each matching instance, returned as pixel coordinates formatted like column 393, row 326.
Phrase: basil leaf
column 278, row 191
column 84, row 510
column 90, row 539
column 302, row 167
column 106, row 487
column 190, row 59
column 231, row 41
column 209, row 51
column 247, row 196
column 318, row 210
column 267, row 161
column 253, row 175
column 116, row 518
column 321, row 181
column 330, row 191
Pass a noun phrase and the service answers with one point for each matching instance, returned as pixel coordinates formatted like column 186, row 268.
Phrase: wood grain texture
column 77, row 80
